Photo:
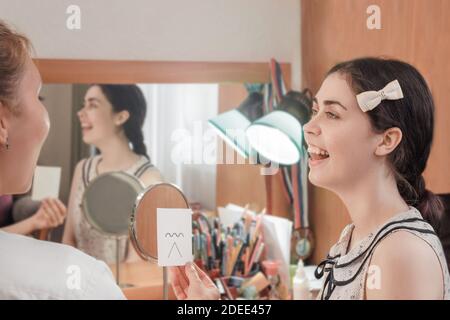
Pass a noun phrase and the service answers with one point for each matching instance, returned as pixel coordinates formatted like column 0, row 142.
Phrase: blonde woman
column 29, row 268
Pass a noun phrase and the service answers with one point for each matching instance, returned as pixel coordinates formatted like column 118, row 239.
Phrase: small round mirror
column 143, row 219
column 108, row 202
column 143, row 224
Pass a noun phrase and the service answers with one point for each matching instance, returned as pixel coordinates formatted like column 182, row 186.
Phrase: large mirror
column 156, row 133
column 178, row 140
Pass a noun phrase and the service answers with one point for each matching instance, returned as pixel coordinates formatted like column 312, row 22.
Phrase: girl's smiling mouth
column 317, row 155
column 86, row 128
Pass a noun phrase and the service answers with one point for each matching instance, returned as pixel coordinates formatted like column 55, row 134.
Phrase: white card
column 228, row 217
column 46, row 182
column 174, row 236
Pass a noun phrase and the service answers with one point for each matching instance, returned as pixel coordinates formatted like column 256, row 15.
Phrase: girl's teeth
column 317, row 151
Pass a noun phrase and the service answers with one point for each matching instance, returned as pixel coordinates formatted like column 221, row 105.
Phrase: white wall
column 179, row 140
column 189, row 30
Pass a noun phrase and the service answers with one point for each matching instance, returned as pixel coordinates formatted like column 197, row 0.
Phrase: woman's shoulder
column 406, row 245
column 151, row 176
column 410, row 237
column 34, row 269
column 408, row 267
column 147, row 172
column 84, row 167
column 88, row 161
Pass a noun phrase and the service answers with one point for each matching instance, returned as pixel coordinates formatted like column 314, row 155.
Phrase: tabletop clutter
column 247, row 254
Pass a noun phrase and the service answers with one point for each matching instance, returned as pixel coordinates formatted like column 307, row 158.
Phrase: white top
column 34, row 269
column 345, row 271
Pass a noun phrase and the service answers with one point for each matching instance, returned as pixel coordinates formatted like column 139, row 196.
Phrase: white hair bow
column 368, row 100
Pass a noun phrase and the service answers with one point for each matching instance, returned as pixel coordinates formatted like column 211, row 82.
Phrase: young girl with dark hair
column 111, row 119
column 374, row 118
column 369, row 139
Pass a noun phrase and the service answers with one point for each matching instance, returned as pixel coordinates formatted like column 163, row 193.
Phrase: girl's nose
column 311, row 127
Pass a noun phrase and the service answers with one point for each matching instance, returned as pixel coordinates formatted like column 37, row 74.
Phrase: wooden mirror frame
column 121, row 71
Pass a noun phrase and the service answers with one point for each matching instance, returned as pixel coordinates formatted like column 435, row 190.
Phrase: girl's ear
column 121, row 117
column 390, row 139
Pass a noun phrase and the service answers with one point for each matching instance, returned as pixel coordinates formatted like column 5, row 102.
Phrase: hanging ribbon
column 279, row 89
column 299, row 180
column 269, row 102
column 294, row 181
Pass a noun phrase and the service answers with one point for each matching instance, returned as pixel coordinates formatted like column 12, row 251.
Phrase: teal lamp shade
column 278, row 136
column 231, row 125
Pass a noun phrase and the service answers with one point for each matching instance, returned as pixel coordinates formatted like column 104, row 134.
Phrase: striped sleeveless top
column 345, row 272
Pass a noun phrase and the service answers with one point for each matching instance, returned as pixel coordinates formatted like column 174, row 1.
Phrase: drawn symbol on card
column 174, row 245
column 174, row 235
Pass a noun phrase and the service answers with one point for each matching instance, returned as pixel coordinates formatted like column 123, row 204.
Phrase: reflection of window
column 178, row 138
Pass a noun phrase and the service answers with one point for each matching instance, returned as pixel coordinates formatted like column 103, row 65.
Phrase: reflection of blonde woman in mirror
column 111, row 119
column 29, row 268
column 50, row 214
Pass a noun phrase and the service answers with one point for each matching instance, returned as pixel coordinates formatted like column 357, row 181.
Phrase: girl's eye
column 332, row 115
column 41, row 98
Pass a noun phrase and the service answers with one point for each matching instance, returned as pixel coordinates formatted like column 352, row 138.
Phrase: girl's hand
column 191, row 283
column 51, row 214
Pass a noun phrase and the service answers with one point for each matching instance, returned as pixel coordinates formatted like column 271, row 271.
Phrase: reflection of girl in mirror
column 29, row 268
column 111, row 119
